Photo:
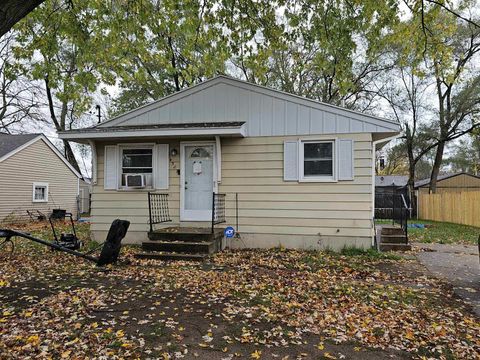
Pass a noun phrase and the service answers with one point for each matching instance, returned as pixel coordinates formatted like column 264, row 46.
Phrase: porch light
column 173, row 152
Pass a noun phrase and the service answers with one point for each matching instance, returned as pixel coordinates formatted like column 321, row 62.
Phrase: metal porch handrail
column 158, row 211
column 218, row 209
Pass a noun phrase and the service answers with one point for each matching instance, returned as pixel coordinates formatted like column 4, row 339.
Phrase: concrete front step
column 185, row 247
column 393, row 239
column 171, row 256
column 395, row 247
column 188, row 234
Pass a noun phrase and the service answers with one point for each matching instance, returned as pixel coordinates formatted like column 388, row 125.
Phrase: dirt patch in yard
column 250, row 304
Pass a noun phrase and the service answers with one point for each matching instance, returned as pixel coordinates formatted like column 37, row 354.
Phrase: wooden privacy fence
column 455, row 207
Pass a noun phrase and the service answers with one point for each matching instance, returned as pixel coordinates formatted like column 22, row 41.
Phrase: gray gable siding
column 266, row 112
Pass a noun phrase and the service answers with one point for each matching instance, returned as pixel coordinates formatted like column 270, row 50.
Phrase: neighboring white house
column 85, row 189
column 34, row 176
column 303, row 170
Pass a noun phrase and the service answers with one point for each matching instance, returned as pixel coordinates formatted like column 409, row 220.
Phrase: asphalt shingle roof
column 8, row 143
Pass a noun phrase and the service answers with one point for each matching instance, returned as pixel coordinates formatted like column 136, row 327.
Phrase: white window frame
column 319, row 178
column 40, row 184
column 120, row 149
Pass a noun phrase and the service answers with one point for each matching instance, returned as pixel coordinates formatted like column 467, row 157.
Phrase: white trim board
column 40, row 184
column 49, row 144
column 229, row 131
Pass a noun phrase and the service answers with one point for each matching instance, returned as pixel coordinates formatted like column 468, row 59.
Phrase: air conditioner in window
column 136, row 181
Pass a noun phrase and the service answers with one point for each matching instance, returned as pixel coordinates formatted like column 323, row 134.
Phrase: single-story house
column 450, row 183
column 34, row 176
column 390, row 183
column 302, row 170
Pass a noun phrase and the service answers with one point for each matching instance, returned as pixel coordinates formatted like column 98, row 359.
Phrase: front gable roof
column 12, row 144
column 9, row 143
column 265, row 112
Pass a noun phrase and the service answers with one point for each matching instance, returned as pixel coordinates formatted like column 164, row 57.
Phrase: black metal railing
column 393, row 207
column 218, row 209
column 158, row 211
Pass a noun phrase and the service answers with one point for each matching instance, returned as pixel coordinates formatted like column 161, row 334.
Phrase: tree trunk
column 60, row 126
column 436, row 168
column 411, row 183
column 12, row 11
column 70, row 156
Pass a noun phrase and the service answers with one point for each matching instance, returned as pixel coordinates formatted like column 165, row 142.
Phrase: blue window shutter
column 161, row 166
column 110, row 175
column 290, row 160
column 345, row 159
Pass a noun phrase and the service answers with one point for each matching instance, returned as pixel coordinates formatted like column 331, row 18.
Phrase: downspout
column 94, row 162
column 218, row 146
column 78, row 198
column 374, row 145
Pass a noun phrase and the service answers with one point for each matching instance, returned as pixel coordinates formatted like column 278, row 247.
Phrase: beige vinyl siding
column 36, row 163
column 281, row 213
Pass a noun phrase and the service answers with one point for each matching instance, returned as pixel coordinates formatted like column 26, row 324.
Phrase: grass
column 368, row 254
column 443, row 233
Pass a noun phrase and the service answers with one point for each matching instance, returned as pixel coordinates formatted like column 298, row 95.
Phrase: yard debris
column 260, row 304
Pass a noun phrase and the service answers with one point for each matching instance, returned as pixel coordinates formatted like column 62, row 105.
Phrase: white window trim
column 120, row 148
column 323, row 178
column 40, row 184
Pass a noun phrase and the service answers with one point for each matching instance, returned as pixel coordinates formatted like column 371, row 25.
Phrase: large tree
column 334, row 49
column 443, row 49
column 160, row 47
column 59, row 47
column 18, row 101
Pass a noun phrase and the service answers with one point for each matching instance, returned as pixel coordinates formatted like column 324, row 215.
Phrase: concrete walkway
column 459, row 265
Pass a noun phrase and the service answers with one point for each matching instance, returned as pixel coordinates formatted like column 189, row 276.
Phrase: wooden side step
column 394, row 239
column 392, row 230
column 395, row 247
column 171, row 256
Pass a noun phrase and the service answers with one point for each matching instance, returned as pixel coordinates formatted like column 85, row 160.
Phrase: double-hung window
column 317, row 161
column 138, row 161
column 40, row 192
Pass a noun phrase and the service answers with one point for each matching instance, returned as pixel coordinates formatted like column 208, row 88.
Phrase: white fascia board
column 238, row 131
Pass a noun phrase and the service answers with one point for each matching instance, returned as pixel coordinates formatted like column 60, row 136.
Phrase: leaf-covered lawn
column 251, row 304
column 444, row 233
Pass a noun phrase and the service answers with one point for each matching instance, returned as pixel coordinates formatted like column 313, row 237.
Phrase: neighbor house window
column 40, row 192
column 317, row 160
column 137, row 161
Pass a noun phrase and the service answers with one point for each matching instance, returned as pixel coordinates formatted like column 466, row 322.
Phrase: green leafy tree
column 18, row 102
column 160, row 47
column 334, row 49
column 446, row 49
column 59, row 47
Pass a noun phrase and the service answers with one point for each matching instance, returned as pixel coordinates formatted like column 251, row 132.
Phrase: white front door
column 197, row 182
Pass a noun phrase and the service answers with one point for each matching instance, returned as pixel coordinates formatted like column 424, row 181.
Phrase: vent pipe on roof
column 99, row 114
